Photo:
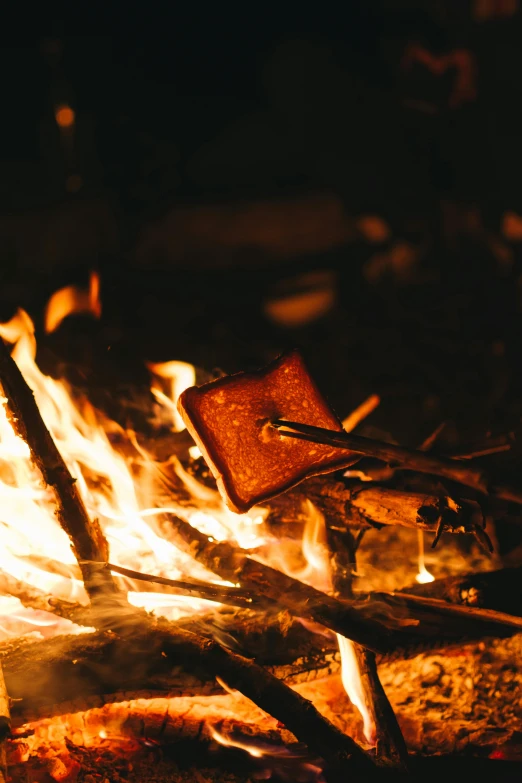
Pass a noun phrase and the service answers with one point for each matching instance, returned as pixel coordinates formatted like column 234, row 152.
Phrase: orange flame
column 181, row 375
column 123, row 499
column 73, row 299
column 317, row 573
column 424, row 575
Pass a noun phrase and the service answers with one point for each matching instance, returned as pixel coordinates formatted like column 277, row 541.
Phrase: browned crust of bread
column 328, row 458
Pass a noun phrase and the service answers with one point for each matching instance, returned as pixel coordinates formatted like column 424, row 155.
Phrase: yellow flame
column 181, row 375
column 124, row 499
column 361, row 412
column 227, row 742
column 351, row 679
column 424, row 575
column 317, row 572
column 73, row 299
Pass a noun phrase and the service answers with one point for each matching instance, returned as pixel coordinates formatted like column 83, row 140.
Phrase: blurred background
column 344, row 180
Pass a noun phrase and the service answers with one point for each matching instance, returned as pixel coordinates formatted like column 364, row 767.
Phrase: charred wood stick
column 389, row 742
column 461, row 472
column 498, row 590
column 5, row 725
column 156, row 653
column 380, row 622
column 34, row 598
column 231, row 563
column 370, row 506
column 87, row 539
column 125, row 578
column 232, row 596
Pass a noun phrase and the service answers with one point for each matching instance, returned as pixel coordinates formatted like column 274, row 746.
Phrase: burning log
column 458, row 471
column 300, row 599
column 390, row 745
column 157, row 654
column 86, row 536
column 339, row 751
column 498, row 590
column 5, row 726
column 370, row 506
column 382, row 622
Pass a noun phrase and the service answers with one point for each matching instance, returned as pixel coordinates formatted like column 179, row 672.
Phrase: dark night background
column 220, row 155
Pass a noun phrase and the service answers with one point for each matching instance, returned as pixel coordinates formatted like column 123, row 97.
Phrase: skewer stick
column 406, row 459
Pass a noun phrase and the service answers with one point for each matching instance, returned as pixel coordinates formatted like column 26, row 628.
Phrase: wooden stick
column 5, row 725
column 367, row 505
column 498, row 590
column 390, row 745
column 380, row 622
column 223, row 594
column 300, row 599
column 407, row 459
column 153, row 652
column 91, row 551
column 34, row 598
column 87, row 539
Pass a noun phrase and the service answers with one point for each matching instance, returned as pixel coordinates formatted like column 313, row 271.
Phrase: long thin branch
column 382, row 622
column 87, row 539
column 461, row 472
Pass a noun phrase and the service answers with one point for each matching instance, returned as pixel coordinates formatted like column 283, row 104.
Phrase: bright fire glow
column 180, row 376
column 73, row 299
column 33, row 547
column 424, row 575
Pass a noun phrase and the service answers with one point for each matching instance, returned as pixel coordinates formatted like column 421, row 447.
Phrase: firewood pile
column 313, row 599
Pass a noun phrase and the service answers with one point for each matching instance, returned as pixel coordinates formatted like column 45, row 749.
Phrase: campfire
column 314, row 636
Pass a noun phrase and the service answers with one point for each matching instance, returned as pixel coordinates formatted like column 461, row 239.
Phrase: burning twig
column 498, row 590
column 390, row 745
column 381, row 622
column 460, row 472
column 89, row 543
column 231, row 563
column 232, row 596
column 5, row 726
column 34, row 598
column 364, row 506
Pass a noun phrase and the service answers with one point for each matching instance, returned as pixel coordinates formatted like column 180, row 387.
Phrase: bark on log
column 400, row 458
column 498, row 590
column 381, row 623
column 88, row 541
column 367, row 507
column 104, row 661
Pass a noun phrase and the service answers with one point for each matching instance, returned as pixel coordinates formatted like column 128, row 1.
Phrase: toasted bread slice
column 230, row 421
